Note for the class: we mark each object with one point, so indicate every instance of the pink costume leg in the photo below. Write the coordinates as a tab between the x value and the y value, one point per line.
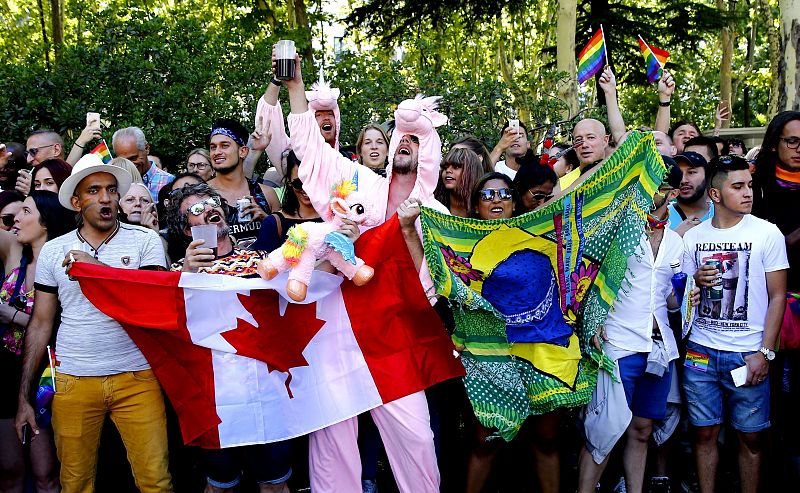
302	271
405	427
345	267
333	460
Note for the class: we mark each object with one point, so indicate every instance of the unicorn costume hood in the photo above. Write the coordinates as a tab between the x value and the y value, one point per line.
321	166
323	97
418	117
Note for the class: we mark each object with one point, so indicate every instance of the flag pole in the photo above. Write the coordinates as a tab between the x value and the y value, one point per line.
651	51
605	45
52	369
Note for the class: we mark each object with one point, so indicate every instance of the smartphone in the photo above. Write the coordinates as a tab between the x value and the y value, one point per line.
93	120
26	434
514	125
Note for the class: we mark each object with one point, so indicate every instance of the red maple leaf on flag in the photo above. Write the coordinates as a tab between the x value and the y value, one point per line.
277	340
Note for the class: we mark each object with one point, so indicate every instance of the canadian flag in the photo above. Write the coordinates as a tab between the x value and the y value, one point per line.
241	365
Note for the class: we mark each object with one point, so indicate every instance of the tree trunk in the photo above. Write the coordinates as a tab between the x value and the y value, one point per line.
301	16
57	23
44	35
565	53
775	57
727	36
788	71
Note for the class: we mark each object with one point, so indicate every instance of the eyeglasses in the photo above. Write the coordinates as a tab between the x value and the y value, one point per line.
791	142
200	207
197	166
539	196
489	194
297	184
35	150
8	220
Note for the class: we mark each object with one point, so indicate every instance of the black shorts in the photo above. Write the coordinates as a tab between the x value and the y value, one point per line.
268	463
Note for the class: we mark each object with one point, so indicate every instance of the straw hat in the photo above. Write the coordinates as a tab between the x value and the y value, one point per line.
88	165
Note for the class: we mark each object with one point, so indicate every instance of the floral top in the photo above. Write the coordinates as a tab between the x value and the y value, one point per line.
12	338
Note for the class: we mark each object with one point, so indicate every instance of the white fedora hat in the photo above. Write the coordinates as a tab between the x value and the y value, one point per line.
88	165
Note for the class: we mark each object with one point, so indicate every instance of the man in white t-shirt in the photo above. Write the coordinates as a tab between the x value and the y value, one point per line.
100	371
638	337
513	144
736	324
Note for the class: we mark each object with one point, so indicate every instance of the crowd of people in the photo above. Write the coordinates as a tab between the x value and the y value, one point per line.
674	413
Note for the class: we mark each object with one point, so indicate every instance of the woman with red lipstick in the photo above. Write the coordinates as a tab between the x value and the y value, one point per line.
41	218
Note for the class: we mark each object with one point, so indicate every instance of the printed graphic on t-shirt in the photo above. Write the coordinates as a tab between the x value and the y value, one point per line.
725	309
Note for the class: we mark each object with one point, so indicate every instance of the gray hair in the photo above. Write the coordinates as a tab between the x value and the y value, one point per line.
50	135
176	220
130	133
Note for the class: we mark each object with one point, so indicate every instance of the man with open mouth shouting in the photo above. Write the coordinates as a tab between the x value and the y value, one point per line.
100	371
415	152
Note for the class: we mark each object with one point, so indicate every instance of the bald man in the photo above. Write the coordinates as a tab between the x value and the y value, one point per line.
591	139
664	144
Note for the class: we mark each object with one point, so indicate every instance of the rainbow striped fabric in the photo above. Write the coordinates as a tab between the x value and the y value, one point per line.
655	58
592	57
102	150
528	293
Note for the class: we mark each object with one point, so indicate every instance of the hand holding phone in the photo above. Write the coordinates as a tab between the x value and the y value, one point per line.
93	121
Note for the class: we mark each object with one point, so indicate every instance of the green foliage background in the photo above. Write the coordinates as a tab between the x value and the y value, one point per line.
171	67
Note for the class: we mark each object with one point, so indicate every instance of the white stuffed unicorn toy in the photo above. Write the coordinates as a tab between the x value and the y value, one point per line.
308	242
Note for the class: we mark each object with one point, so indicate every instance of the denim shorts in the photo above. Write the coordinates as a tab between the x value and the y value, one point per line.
267	463
646	393
711	395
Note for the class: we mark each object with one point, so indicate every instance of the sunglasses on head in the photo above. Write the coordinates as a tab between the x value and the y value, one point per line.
297	184
488	194
8	220
200	207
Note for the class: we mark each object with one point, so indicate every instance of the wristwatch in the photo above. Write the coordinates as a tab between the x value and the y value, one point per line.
277	82
768	353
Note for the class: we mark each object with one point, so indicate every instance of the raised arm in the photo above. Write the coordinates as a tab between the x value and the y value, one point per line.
321	166
666	86
79	147
269	116
608	83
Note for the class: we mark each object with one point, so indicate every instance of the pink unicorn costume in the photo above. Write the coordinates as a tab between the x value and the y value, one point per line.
404	424
321	97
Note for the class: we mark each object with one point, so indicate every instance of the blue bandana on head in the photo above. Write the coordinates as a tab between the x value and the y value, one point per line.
227	133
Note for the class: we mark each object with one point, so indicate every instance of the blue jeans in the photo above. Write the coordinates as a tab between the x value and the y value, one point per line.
711	394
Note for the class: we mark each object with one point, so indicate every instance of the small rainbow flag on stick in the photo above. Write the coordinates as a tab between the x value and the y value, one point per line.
655	58
592	57
102	151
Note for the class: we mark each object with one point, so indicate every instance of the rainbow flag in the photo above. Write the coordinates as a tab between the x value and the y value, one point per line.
102	151
592	57
655	58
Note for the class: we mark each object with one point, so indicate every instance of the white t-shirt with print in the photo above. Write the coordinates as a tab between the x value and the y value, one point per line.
747	252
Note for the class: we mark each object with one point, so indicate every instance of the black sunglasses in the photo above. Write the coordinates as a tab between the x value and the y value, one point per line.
297	184
35	150
8	220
